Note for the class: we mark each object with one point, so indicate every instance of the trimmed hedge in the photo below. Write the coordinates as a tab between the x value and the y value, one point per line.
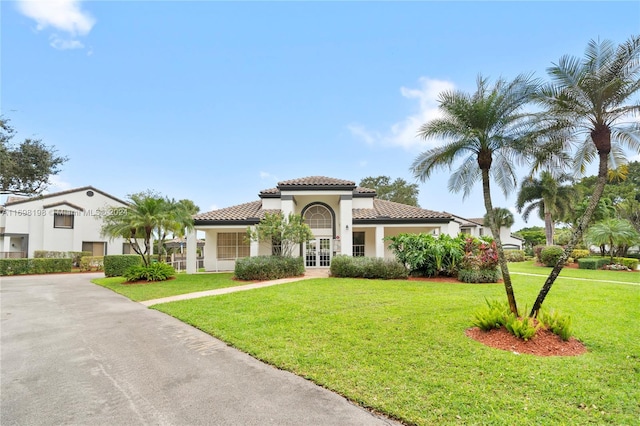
92	263
628	262
343	266
35	266
115	265
593	262
263	268
76	256
578	254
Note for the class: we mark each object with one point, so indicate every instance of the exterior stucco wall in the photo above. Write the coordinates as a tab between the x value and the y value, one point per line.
36	218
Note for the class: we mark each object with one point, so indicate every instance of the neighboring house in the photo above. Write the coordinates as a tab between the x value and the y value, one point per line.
62	221
344	218
475	227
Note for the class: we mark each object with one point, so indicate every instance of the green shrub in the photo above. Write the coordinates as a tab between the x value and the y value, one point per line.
549	255
537	250
92	263
477	276
593	262
494	315
522	328
515	255
116	265
628	262
155	272
578	254
49	266
426	255
263	268
367	267
14	266
34	266
556	323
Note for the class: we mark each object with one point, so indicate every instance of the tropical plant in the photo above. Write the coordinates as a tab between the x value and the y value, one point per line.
593	95
502	216
145	214
548	196
426	255
490	133
616	233
284	233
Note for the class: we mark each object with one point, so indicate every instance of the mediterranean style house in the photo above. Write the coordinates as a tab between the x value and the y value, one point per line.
61	221
344	218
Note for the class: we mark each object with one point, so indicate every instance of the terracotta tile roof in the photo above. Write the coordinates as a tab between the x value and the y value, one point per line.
316	181
386	210
247	212
363	190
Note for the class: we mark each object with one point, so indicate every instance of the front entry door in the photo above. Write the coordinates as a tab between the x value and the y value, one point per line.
318	253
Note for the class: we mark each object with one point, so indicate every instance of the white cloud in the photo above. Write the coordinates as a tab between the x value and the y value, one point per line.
213	207
65	16
61	44
404	132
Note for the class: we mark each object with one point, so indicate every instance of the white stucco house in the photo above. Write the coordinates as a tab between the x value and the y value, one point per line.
61	221
345	219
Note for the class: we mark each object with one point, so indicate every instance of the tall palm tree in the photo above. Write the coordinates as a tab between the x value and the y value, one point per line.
484	129
548	196
594	94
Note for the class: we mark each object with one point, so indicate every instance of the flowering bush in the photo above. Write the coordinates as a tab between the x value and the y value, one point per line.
480	261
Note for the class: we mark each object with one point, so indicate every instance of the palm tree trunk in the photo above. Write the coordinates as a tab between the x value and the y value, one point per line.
582	226
548	226
495	230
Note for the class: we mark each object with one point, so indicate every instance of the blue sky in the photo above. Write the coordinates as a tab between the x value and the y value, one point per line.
215	101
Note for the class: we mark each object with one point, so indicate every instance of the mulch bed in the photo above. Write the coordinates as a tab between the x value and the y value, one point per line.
544	343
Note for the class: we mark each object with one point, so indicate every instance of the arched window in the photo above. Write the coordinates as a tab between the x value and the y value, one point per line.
318	217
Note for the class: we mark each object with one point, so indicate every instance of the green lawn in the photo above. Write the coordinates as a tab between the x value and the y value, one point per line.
182	284
399	347
596	275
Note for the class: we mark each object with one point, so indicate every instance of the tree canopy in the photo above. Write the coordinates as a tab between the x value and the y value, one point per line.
399	191
25	168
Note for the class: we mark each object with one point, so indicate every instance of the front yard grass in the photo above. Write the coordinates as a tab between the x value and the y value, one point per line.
590	274
182	284
398	347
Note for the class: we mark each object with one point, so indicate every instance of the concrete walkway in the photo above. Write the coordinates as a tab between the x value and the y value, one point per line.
309	273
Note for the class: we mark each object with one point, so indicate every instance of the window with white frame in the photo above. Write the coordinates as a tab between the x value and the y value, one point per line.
318	217
232	245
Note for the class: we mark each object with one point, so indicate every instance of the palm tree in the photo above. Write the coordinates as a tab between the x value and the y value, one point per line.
145	214
483	129
502	216
594	94
613	232
546	195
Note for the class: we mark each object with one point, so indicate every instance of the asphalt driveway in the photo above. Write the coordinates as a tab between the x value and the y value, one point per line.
75	353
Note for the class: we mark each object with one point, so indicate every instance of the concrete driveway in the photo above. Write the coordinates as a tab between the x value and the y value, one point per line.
75	353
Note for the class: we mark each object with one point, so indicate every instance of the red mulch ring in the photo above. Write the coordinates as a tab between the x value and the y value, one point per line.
544	343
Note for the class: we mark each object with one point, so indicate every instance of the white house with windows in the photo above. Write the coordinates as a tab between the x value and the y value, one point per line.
476	228
344	218
61	221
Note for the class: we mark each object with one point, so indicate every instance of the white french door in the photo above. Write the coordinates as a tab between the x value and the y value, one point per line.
317	253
